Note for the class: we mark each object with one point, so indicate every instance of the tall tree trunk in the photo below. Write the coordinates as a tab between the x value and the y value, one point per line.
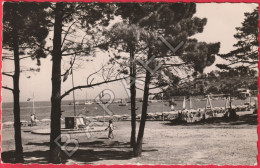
55	139
138	146
133	98
16	92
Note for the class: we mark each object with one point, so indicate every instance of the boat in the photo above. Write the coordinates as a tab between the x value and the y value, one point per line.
87	102
122	102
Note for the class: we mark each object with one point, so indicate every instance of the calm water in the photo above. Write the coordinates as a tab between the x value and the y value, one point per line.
43	109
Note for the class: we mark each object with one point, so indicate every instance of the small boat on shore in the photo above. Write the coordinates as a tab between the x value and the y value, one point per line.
88	103
123	103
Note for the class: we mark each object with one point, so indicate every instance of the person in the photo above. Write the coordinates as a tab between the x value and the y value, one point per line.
33	118
110	130
190	117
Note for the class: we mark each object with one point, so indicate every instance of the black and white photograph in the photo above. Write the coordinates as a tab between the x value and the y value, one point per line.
152	83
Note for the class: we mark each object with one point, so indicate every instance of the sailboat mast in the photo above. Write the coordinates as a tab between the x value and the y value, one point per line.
210	102
33	105
184	103
226	104
86	96
162	103
74	107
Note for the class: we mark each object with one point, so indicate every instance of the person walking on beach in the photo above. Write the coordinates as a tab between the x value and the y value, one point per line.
110	130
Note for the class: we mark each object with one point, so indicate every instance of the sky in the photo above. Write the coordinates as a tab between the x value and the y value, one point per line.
222	18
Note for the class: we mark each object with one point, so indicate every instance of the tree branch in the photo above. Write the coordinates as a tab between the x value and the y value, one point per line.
9	57
71	65
24	57
6	74
6	58
139	88
88	86
67	33
94	74
7	88
177	64
69	54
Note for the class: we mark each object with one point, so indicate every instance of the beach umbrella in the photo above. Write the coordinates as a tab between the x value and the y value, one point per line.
184	103
226	104
208	101
190	103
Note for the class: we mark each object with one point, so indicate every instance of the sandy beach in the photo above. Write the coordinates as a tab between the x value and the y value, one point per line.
164	143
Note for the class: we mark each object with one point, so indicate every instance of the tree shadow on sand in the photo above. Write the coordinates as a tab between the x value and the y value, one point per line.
40	157
89	156
90	144
87	153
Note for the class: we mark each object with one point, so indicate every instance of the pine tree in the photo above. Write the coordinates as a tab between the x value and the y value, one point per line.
88	15
246	51
175	23
23	31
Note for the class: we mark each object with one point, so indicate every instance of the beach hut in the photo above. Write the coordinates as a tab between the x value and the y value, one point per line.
74	122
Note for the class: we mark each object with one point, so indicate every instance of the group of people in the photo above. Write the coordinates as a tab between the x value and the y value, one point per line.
196	115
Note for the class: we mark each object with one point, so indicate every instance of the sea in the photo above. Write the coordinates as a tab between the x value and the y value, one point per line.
43	108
